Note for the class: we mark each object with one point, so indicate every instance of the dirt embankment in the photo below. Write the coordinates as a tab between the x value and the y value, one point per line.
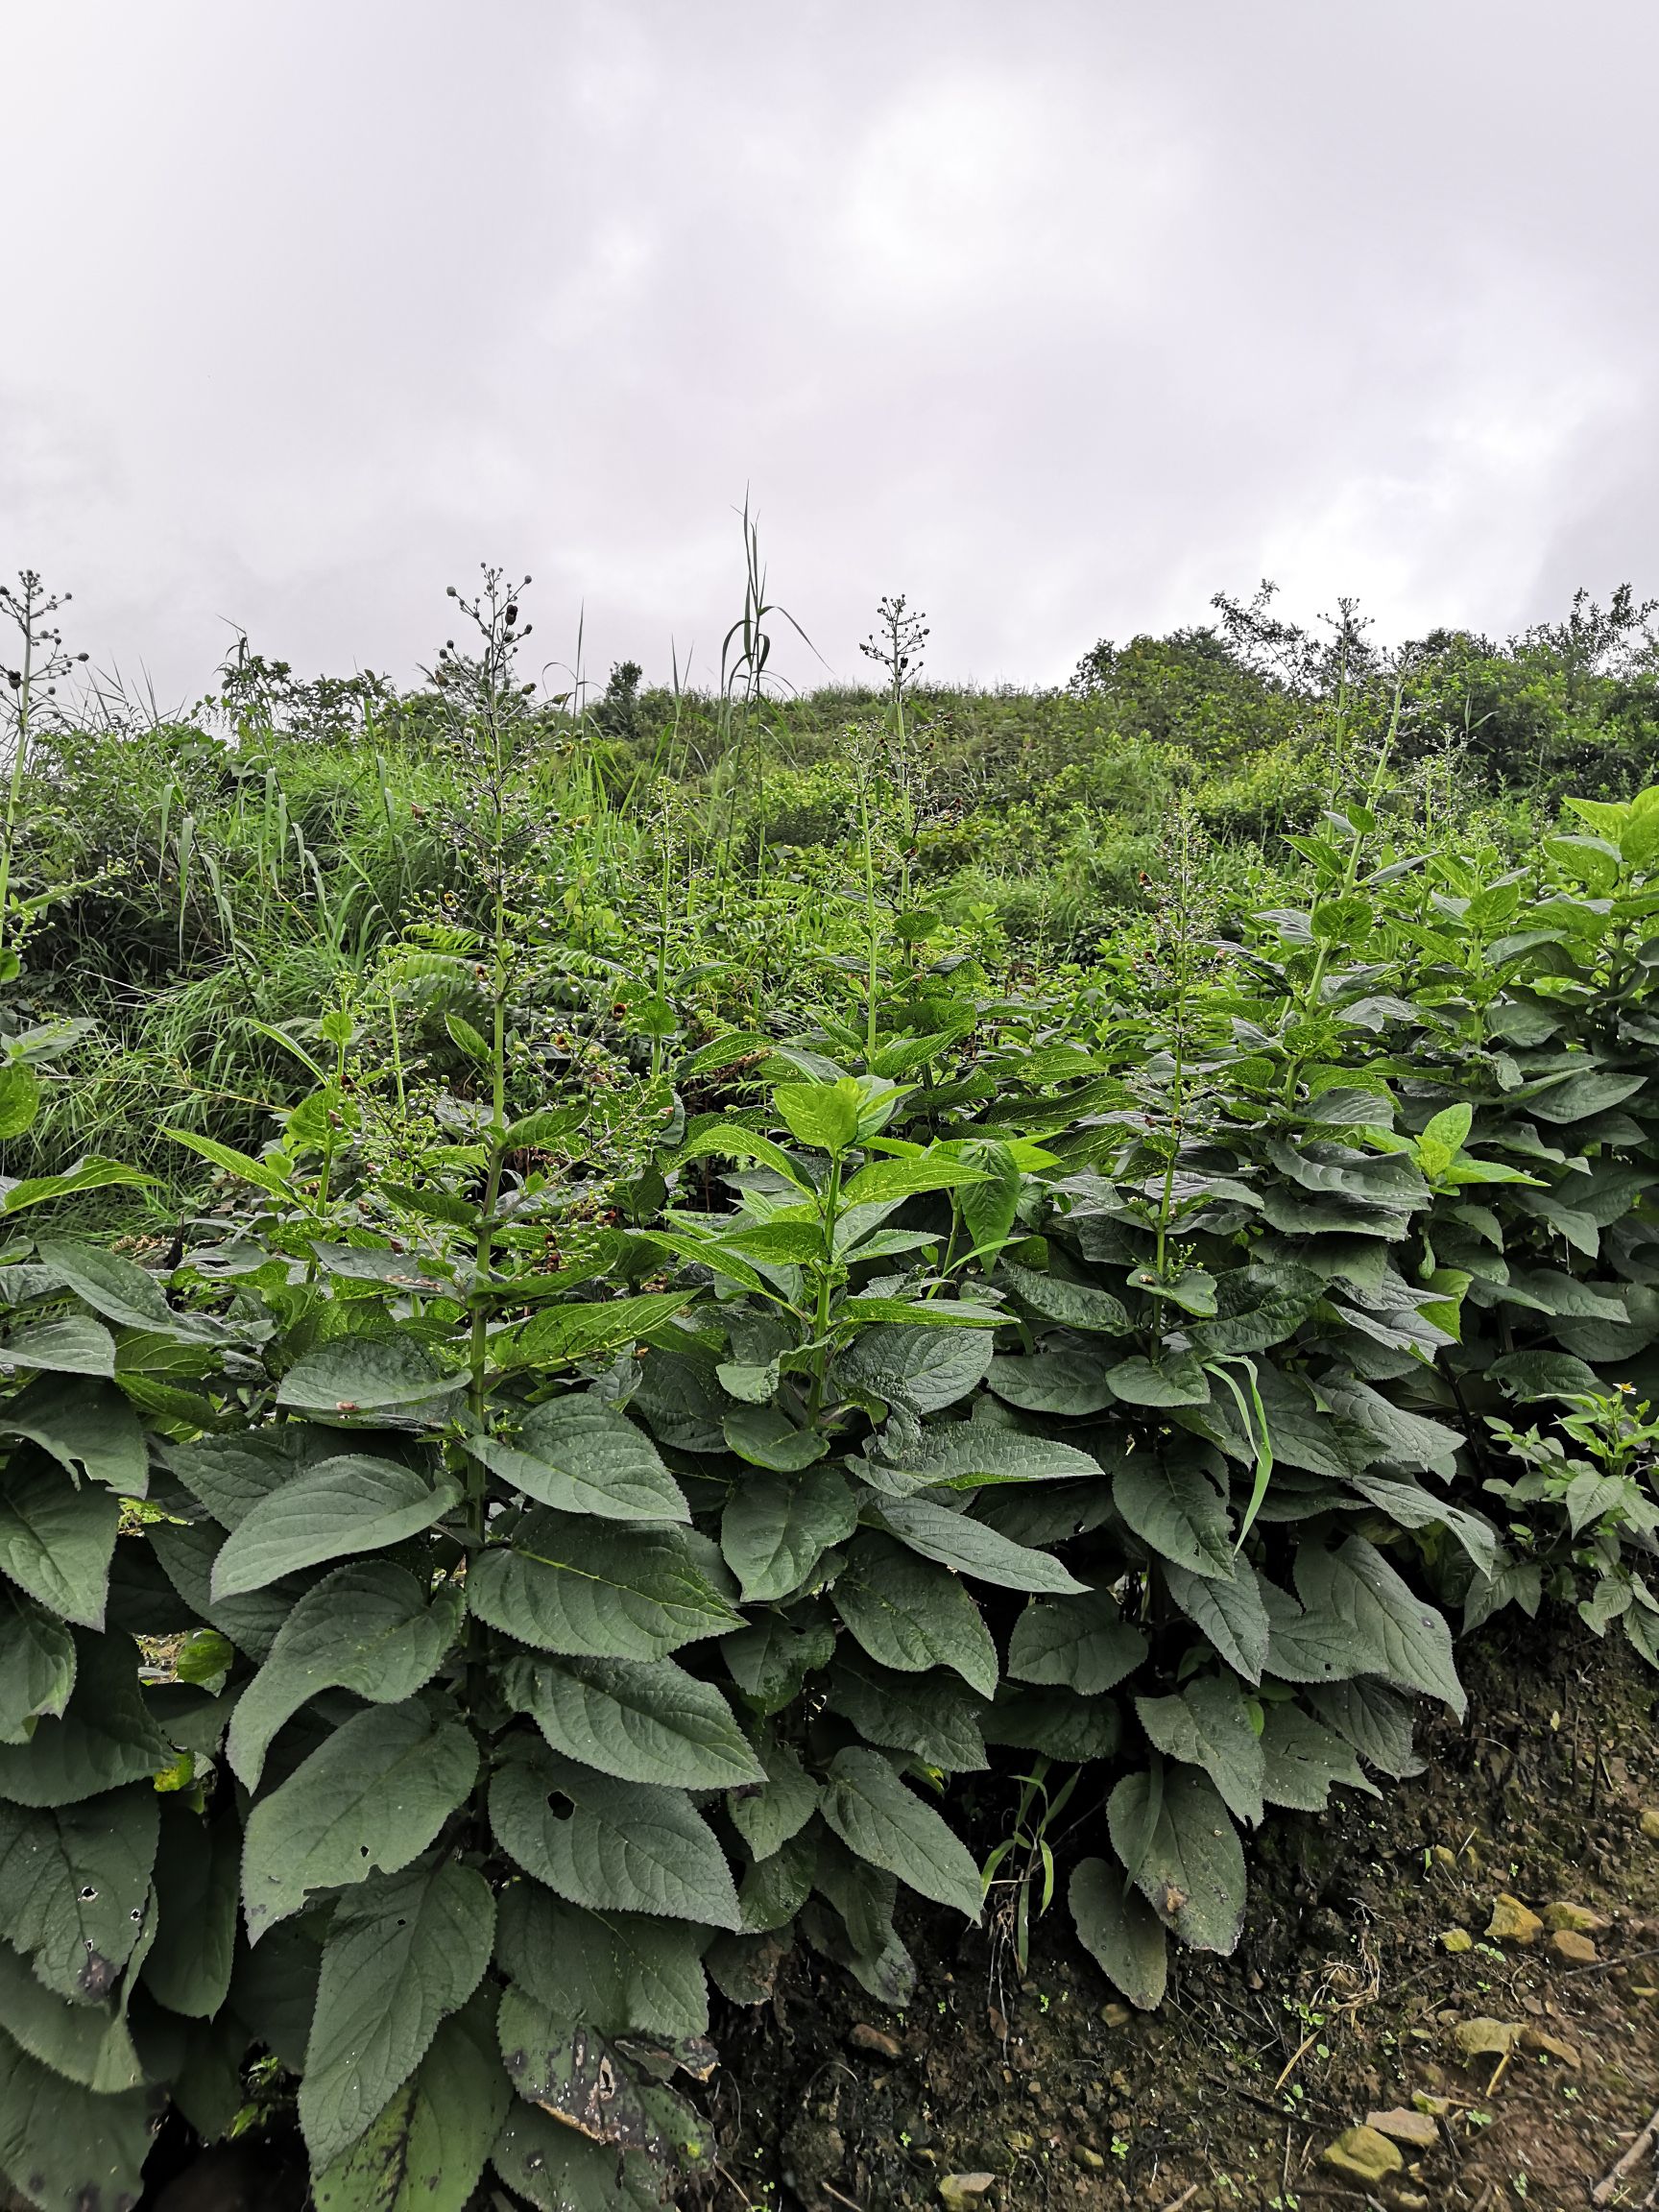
1473	1958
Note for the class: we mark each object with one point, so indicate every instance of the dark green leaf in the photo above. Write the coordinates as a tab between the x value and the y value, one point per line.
1176	1510
1403	1637
355	1375
1303	1760
766	1814
621	1971
1057	1378
599	1592
935	1717
56	1541
105	1739
73	1345
1208	1727
1188	1861
1120	1932
85	2043
923	1370
580	1456
968	1546
1228	1611
64	2146
776	1528
85	1425
1081	1643
37	1666
887	1825
189	1965
911	1614
350	1504
73	1886
640	1720
426	2150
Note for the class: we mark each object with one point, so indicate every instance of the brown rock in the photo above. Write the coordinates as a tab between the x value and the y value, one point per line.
1399	2125
1513	1922
1577	1950
1650	1822
1580	1919
1485	2039
863	2037
1362	2154
1551	2047
1455	1940
965	2189
1117	2015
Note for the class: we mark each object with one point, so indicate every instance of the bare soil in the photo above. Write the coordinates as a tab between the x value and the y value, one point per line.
1341	2000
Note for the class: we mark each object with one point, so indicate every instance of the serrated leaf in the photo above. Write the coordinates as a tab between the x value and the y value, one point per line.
1375	1720
935	1717
386	1376
1055	1722
776	1528
768	1813
84	1424
74	1344
105	1739
369	1627
397	1962
426	2150
598	1591
189	1965
1120	1932
349	1505
1080	1643
368	1800
1208	1727
1303	1760
626	1846
65	2145
1180	1380
1176	1510
923	1370
888	1826
1228	1610
557	2169
621	1971
770	1661
580	1456
37	1666
19	1098
640	1720
911	1614
573	2072
85	2043
972	1455
559	1335
1062	1379
1400	1636
766	1437
73	1886
969	1547
1080	1305
57	1541
1186	1860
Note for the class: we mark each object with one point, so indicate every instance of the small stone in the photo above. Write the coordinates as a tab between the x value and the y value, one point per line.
1455	1940
1437	2108
1513	1922
1021	2144
1442	1854
863	2037
958	2189
1117	2015
1580	1919
1550	2047
1399	2125
1650	1822
1410	2200
1485	2039
1362	2154
1090	2161
1577	1950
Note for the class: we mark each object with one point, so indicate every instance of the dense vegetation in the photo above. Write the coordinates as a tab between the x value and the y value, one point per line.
632	1320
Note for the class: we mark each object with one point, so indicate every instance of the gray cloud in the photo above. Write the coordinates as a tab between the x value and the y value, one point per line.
1057	317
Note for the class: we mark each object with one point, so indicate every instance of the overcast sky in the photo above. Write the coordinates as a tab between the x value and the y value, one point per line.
1058	316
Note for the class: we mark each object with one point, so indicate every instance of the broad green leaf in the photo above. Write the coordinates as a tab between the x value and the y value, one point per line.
426	2150
968	1546
923	1370
728	1140
823	1116
888	1826
1057	1722
621	1971
187	1552
1177	1512
56	1541
935	1715
231	1473
230	1162
777	1527
19	1098
37	1666
1403	1637
1375	1720
105	1737
625	1846
1066	1378
767	1814
386	1378
350	1504
63	2147
885	1180
773	1890
1186	1860
911	1614
1579	1097
600	1591
91	1175
121	1291
1079	1643
397	1961
1079	1305
557	2169
1120	1932
368	1799
924	1312
970	1454
559	1335
85	2043
580	1456
369	1627
1531	1375
770	1661
766	1436
189	1965
1228	1610
638	1719
84	1424
1177	1382
74	1344
73	1886
1303	1760
1208	1727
